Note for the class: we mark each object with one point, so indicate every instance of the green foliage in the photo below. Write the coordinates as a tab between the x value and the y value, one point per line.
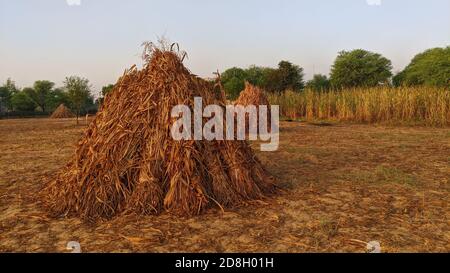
22	102
89	104
431	68
286	76
360	68
79	92
5	98
40	93
291	76
233	87
7	91
107	89
11	86
233	72
75	95
398	79
318	83
257	75
233	81
56	97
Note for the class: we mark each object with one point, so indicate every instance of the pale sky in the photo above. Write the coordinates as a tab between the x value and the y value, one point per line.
98	39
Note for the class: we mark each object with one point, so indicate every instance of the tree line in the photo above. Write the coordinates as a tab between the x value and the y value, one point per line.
44	97
356	68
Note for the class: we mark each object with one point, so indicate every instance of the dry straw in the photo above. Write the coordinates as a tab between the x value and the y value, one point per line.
253	95
127	160
62	112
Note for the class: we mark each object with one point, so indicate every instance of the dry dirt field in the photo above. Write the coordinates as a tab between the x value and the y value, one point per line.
341	183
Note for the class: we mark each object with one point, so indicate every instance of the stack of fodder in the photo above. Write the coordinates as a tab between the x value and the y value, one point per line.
62	112
127	160
253	95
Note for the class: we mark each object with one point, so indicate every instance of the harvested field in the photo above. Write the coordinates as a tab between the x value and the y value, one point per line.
341	183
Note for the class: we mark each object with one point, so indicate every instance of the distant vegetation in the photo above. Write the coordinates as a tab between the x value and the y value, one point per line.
319	83
351	69
360	87
274	80
43	98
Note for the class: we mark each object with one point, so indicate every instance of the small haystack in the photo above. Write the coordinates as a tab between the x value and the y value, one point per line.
253	95
127	160
62	112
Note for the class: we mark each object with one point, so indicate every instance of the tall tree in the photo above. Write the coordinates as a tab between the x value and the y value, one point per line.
291	76
286	76
360	68
431	67
40	92
7	91
79	91
5	99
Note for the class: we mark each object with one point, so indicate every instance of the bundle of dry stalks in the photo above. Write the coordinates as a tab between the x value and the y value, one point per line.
127	160
62	112
253	95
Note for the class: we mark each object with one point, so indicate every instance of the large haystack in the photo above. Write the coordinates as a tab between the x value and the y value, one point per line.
62	112
253	95
128	161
